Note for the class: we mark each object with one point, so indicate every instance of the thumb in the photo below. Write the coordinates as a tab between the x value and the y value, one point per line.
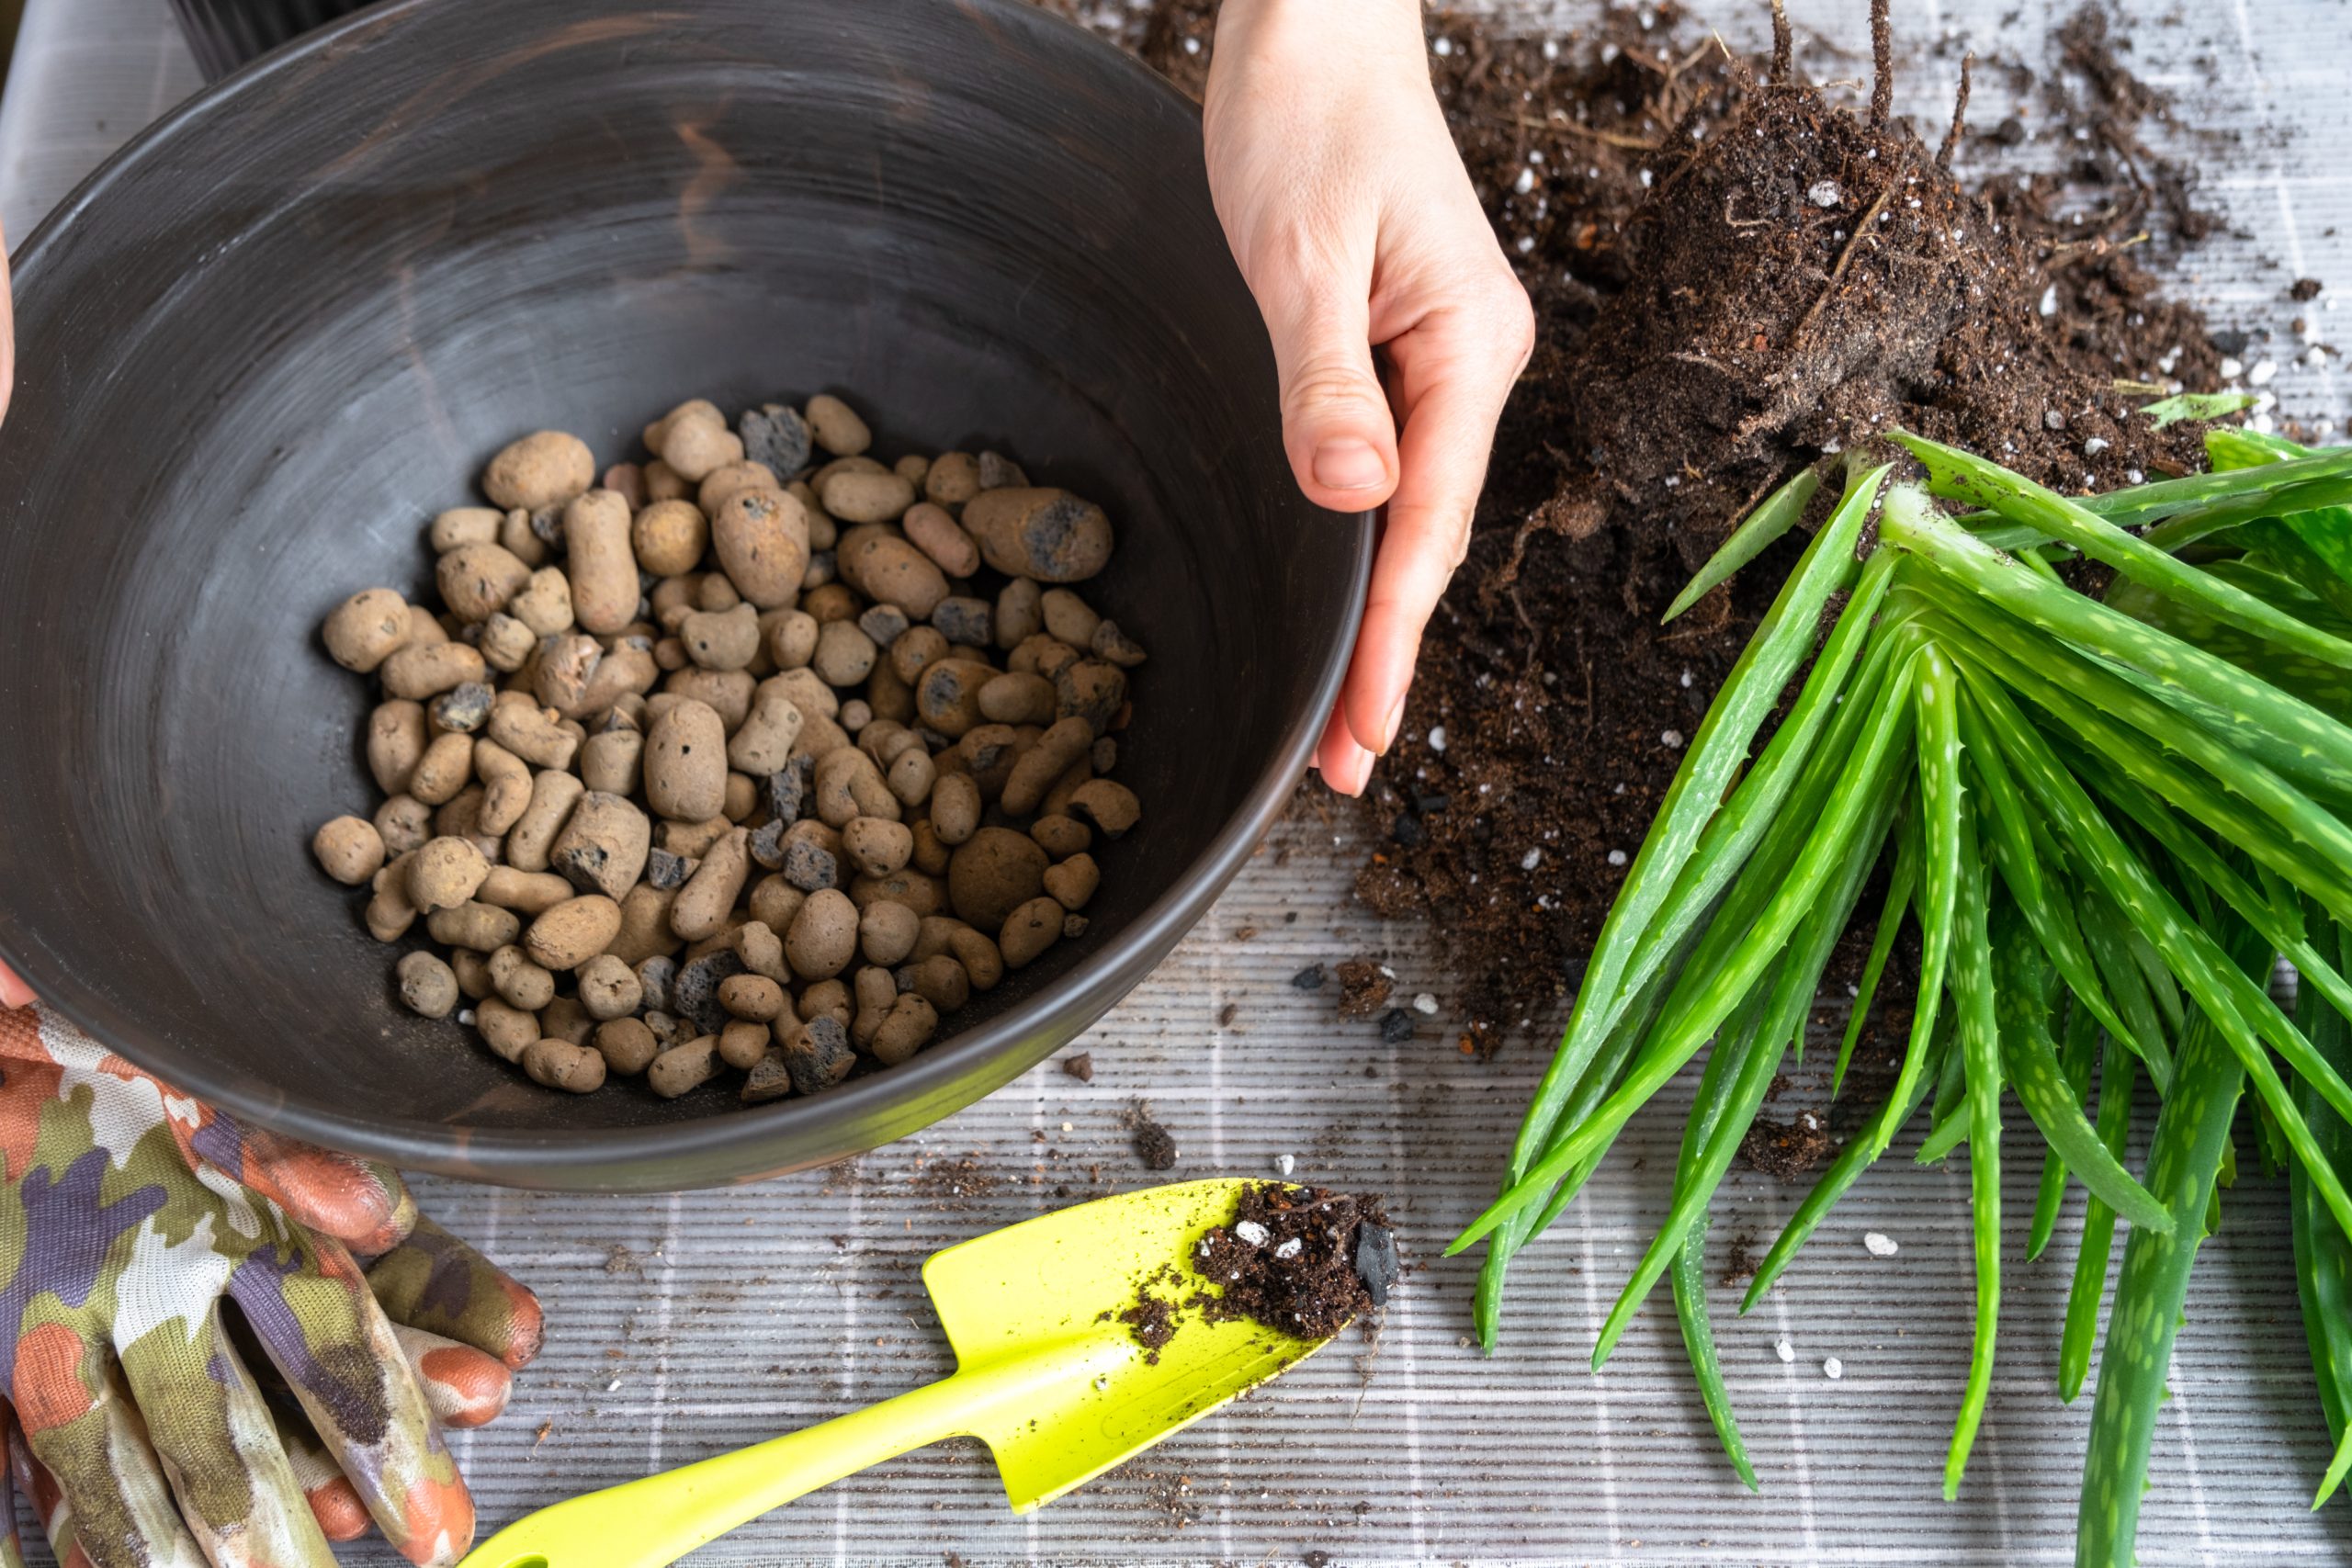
1336	426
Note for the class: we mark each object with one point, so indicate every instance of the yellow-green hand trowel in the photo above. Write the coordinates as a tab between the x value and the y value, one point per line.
1046	1375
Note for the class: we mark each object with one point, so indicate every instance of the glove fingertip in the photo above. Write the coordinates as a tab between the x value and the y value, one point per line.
439	1515
465	1387
526	1325
335	1505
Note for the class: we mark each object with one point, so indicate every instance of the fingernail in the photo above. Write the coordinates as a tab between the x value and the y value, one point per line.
1349	463
1396	721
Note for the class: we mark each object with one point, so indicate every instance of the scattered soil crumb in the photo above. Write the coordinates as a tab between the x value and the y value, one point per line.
1363	987
1172	1495
1152	1319
1787	1150
957	1185
1155	1144
1739	1260
619	1260
1081	1067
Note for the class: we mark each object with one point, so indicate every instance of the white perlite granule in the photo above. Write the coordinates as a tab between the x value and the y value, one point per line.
1833	1369
1880	1243
1786	1351
1253	1233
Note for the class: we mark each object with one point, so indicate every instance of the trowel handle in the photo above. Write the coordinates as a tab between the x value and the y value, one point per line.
649	1523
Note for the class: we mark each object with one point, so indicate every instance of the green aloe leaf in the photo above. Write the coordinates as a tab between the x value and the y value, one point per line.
2020	500
2323	1254
2325	531
2318	686
1600	1076
2176	512
1900	882
1939	814
2281	924
2184	1162
2048	908
1688	1023
1857	1156
1715	1137
1777	514
1772	655
2261	720
2119	1073
2237	1006
2030	1061
1976	1012
2076	1058
2197	405
1698	1345
2278	824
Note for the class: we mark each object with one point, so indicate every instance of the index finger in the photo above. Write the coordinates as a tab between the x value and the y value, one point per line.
1453	375
14	992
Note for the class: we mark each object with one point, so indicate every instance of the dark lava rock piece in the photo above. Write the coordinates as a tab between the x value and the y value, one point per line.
694	995
664	870
1377	1262
788	787
964	620
770	1079
811	866
775	434
462	709
818	1055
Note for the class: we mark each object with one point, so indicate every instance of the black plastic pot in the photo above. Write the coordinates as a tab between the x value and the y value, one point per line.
225	34
265	344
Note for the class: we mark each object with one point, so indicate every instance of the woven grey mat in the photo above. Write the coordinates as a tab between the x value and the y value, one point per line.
687	1325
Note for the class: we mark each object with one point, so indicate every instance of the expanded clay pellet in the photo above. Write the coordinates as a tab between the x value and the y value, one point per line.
752	761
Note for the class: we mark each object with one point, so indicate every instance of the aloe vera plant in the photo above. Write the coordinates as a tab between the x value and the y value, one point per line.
2105	817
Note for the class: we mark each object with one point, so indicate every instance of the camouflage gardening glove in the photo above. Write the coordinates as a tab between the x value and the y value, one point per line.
127	1213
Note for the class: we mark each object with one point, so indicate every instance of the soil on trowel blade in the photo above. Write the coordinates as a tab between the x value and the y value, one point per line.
1298	1259
1733	278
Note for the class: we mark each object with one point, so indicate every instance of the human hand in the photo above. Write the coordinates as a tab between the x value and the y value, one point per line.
127	1212
1354	225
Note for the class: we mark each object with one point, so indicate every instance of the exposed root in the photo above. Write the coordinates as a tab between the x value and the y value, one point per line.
1783	46
1959	114
1881	63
